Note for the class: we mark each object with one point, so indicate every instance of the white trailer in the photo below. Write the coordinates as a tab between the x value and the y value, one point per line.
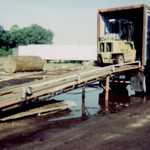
59	52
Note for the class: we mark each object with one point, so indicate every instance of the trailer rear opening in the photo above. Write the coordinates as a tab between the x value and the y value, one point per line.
140	16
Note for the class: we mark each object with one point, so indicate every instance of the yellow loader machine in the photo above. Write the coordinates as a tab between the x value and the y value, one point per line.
116	46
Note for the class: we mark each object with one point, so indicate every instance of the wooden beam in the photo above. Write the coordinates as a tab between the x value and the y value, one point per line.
107	94
83	102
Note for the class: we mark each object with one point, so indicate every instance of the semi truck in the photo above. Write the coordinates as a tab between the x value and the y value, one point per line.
137	39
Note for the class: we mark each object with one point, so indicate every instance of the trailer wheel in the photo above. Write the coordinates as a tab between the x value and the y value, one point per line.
119	59
99	60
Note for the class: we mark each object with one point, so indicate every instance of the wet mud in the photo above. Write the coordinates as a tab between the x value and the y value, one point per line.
90	103
21	78
63	130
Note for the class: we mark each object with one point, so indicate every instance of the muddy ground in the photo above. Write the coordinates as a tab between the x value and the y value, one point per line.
128	128
124	129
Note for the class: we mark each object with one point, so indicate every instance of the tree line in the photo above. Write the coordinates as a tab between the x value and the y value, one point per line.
15	37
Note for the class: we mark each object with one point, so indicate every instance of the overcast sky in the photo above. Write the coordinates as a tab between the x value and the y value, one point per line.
72	21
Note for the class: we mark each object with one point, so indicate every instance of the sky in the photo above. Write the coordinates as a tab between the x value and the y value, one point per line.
73	22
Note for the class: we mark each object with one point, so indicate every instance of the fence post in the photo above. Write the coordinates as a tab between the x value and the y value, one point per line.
83	102
107	94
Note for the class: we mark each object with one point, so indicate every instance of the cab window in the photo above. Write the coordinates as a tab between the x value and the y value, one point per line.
101	47
108	47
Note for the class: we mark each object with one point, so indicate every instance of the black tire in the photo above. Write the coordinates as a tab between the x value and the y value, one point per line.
99	61
119	59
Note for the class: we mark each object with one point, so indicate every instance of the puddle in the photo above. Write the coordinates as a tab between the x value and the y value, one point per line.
91	103
87	105
94	101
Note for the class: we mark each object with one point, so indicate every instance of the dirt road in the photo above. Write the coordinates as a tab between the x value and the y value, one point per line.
127	129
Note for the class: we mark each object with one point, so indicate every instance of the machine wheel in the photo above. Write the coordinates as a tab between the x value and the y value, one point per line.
99	61
119	59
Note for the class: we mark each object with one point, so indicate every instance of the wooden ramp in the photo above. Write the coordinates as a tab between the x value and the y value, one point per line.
50	87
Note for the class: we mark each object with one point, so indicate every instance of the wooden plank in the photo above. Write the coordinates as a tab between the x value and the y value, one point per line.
43	82
107	94
11	102
20	75
49	108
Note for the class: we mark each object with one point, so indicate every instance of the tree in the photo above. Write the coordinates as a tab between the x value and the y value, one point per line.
1	28
14	28
4	42
3	36
33	34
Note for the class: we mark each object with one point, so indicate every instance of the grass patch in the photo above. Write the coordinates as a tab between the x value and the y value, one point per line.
50	65
55	65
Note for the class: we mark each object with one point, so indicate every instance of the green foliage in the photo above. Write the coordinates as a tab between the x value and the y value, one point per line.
14	28
33	34
4	53
37	35
1	29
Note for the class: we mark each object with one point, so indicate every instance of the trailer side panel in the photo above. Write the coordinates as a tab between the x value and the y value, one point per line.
147	38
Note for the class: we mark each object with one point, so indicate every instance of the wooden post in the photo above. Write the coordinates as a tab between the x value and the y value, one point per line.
144	99
83	102
107	94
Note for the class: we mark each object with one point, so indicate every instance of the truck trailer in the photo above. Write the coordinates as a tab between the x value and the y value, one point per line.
139	15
